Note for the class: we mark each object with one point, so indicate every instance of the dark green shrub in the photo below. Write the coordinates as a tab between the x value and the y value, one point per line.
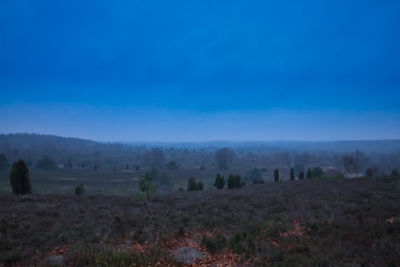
192	184
214	244
276	175
19	178
301	175
309	174
80	190
292	176
395	173
234	181
146	184
317	172
219	181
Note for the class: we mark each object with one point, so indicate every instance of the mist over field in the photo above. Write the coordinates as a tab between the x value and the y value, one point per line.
199	133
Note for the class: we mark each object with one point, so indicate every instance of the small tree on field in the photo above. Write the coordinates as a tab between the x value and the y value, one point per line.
146	184
219	181
46	163
192	184
80	190
19	178
234	181
309	173
317	172
276	175
301	175
292	177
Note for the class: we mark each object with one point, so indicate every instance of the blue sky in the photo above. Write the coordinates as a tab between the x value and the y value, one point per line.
201	70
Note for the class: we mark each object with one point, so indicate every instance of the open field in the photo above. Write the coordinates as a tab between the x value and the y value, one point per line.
334	222
64	181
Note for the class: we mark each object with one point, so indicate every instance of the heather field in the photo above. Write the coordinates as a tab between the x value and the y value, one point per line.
319	222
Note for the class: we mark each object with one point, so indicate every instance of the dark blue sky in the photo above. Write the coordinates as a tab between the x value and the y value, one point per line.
201	70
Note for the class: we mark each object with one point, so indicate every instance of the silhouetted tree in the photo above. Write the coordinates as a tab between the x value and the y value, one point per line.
19	178
317	172
80	190
172	165
309	173
234	181
301	175
276	175
292	177
146	184
192	184
395	173
219	181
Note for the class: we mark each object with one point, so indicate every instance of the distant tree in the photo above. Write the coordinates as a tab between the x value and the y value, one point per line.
219	181
276	175
317	172
137	168
352	163
395	173
146	184
46	163
19	178
234	181
223	157
370	173
255	176
4	164
309	173
192	184
127	167
172	165
80	190
292	176
301	175
95	167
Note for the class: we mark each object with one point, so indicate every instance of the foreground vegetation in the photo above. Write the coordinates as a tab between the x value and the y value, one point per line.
324	222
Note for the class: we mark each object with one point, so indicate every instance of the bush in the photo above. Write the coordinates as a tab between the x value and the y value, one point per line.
46	163
214	244
317	172
309	174
19	178
219	181
234	181
292	176
276	175
395	173
301	175
192	184
80	190
146	184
